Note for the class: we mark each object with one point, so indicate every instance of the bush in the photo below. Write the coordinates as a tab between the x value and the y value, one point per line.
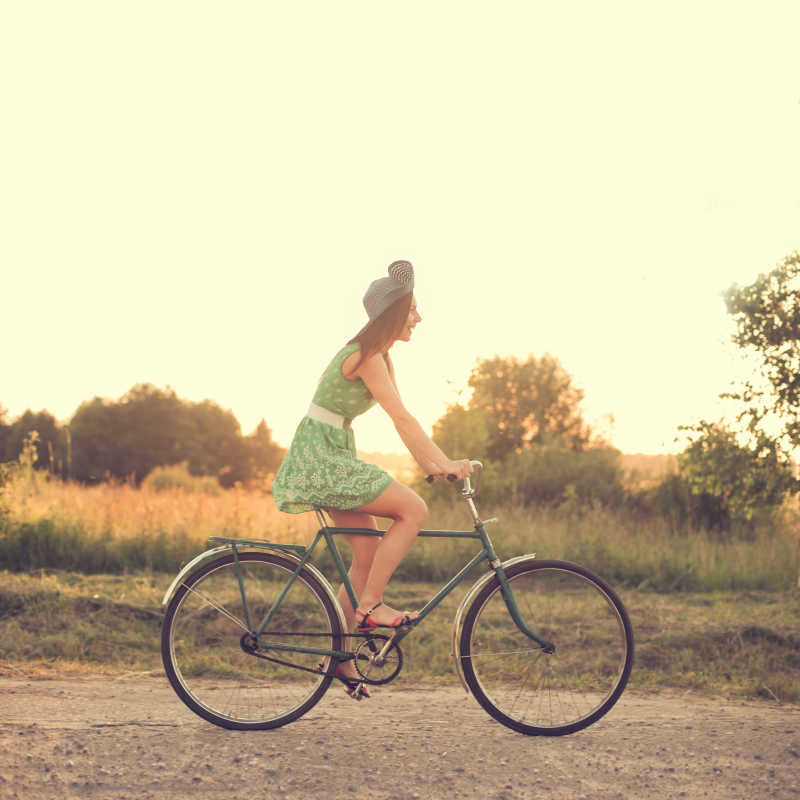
739	483
552	475
178	476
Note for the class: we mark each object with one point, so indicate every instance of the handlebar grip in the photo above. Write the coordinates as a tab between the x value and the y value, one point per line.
450	477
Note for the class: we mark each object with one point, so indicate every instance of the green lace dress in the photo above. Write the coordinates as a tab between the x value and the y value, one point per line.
320	469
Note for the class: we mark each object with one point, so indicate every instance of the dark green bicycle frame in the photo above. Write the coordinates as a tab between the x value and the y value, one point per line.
327	533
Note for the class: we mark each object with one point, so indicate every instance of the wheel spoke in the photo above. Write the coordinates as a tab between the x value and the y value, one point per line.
219	608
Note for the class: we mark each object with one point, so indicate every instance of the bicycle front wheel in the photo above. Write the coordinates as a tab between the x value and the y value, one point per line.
207	642
519	682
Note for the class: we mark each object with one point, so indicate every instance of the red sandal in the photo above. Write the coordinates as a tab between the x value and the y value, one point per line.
366	624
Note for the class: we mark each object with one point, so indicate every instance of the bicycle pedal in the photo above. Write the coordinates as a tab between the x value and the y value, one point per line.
356	693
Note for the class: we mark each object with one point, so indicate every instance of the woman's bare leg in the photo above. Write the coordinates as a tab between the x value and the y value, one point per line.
408	511
363	548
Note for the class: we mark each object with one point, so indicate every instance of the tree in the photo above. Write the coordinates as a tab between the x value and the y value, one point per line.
50	443
741	481
524	421
4	431
264	455
97	434
515	405
462	432
126	439
151	427
152	431
767	315
212	443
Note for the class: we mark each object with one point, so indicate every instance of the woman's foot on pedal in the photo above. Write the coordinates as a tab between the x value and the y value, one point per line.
382	616
346	673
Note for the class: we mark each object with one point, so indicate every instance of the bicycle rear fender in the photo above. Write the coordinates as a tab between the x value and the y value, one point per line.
465	604
210	555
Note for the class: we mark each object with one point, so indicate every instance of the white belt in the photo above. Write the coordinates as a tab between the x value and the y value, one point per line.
323	415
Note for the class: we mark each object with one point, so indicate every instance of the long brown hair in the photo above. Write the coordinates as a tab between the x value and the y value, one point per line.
379	333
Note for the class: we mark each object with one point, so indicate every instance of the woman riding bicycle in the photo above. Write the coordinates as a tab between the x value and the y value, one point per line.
321	469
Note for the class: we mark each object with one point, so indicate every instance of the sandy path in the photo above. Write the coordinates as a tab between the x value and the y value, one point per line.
132	738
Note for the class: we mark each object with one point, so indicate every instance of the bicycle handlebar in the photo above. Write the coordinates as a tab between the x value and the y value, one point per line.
477	468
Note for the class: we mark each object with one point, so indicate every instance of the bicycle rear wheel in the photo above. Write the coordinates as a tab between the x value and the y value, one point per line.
212	664
523	686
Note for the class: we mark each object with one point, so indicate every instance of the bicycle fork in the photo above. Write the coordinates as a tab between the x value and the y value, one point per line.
505	586
513	610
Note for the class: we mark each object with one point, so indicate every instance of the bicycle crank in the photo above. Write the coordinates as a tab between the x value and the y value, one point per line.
378	659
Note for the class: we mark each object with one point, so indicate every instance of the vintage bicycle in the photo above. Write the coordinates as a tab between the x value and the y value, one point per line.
253	632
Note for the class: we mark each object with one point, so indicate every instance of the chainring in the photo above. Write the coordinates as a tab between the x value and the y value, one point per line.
370	667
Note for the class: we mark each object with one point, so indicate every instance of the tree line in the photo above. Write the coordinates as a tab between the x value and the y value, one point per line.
148	427
525	416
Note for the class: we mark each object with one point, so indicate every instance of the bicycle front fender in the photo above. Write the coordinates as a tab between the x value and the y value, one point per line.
458	623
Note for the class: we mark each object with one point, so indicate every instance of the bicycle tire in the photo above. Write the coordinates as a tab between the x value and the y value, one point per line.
203	645
515	680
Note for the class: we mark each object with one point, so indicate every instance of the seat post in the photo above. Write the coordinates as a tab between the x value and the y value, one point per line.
321	518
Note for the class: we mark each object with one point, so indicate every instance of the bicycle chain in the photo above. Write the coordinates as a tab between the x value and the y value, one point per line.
283	663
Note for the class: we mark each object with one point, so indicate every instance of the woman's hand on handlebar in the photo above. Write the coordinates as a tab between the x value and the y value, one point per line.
460	468
455	470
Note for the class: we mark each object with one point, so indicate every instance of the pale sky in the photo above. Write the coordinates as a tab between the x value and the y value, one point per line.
197	195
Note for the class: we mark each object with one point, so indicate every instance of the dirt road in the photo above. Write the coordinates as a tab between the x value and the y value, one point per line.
130	737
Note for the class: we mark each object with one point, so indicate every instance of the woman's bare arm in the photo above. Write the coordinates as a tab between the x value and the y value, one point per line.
425	451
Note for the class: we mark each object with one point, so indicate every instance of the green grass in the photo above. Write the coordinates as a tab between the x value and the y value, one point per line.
743	644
